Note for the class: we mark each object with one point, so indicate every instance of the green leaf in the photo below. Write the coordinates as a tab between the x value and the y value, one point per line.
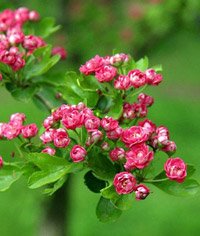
106	211
4	68
109	192
124	201
9	173
22	94
188	188
51	169
102	167
157	68
93	183
50	191
41	67
142	64
117	107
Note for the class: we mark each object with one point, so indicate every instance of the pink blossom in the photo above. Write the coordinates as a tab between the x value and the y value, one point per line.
94	137
59	51
22	14
122	82
115	133
73	119
34	16
29	131
148	126
124	183
48	122
162	135
169	147
145	99
138	157
60	138
18	117
49	151
78	153
1	162
134	135
137	78
92	65
153	78
92	123
128	111
15	37
140	110
106	73
47	136
176	169
2	126
31	42
11	131
119	58
105	146
141	192
117	154
108	123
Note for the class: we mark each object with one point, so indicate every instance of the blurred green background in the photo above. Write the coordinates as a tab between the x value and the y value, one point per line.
168	32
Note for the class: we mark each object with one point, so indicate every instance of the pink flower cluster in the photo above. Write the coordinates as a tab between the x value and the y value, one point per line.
15	127
12	35
105	69
15	46
138	109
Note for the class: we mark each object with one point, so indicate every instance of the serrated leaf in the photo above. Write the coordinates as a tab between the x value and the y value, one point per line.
189	187
142	64
106	211
9	174
102	167
94	184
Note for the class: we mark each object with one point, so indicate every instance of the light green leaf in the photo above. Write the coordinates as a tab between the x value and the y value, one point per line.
9	173
124	201
142	64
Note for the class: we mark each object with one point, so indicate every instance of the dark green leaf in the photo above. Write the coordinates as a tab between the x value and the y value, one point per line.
4	68
9	173
116	108
188	188
101	166
93	183
106	211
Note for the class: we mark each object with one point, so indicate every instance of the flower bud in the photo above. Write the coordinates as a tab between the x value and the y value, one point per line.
49	151
78	153
141	192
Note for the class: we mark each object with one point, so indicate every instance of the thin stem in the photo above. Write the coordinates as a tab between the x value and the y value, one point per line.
139	91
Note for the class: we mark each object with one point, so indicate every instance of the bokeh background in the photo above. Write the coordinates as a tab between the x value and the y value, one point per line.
168	32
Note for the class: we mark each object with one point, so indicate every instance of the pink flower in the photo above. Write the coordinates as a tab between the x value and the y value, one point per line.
33	16
115	133
138	157
105	146
117	154
48	122
108	123
141	192
59	51
145	99
122	82
92	65
153	78
47	136
162	135
11	131
92	123
29	131
176	169
94	137
15	37
134	135
137	78
106	73
73	119
78	153
1	162
124	183
2	127
169	147
60	138
148	126
119	58
22	14
140	110
49	151
128	111
31	42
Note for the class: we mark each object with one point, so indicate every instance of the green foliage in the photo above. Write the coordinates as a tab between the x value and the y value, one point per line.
106	211
93	183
